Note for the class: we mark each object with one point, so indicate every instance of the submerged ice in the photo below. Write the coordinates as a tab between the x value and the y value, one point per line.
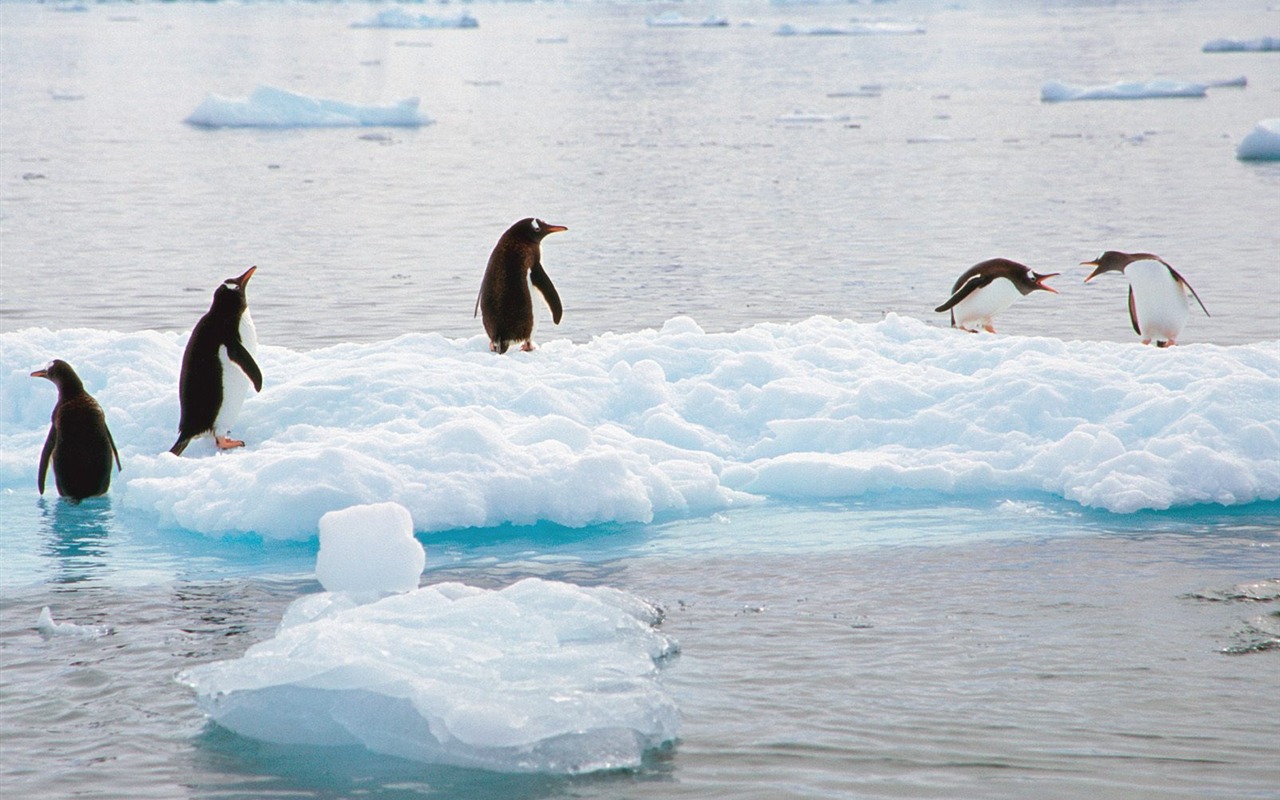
538	677
670	423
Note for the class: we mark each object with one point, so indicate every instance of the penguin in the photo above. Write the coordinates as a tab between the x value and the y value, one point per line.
989	287
505	301
1158	305
217	367
79	444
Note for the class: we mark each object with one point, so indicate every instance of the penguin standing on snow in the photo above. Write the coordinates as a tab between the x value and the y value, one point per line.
217	367
1158	305
987	288
505	302
79	444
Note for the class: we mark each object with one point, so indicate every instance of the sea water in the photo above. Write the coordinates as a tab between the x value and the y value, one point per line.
898	561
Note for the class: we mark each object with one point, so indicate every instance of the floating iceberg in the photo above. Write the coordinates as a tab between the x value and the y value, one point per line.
1057	92
1262	143
399	18
369	548
851	29
269	107
537	677
1264	45
674	19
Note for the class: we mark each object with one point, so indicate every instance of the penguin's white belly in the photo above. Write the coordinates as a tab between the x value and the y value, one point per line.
1159	301
235	384
983	304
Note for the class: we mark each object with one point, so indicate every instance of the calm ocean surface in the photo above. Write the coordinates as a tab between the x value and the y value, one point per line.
904	646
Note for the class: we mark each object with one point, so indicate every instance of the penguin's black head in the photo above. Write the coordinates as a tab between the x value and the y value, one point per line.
1110	261
1036	280
62	375
535	230
230	296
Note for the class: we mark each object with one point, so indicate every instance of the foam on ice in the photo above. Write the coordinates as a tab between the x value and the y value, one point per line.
538	677
663	424
1262	143
399	18
269	107
1058	92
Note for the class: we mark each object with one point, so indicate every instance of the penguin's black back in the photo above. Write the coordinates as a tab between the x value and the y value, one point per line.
79	446
506	304
200	384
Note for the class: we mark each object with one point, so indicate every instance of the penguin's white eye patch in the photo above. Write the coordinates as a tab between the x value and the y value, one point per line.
536	226
230	285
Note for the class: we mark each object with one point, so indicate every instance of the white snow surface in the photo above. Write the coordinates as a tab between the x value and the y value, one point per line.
538	677
269	107
663	424
1058	92
369	548
399	18
1262	143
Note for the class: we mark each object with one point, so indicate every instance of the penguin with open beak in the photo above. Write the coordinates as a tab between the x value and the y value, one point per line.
989	287
1158	305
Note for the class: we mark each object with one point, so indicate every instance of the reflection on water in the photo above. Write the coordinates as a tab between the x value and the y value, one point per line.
75	536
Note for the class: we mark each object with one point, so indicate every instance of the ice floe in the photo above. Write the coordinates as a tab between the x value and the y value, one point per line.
674	19
1264	44
540	676
399	18
269	107
49	628
1057	91
1262	143
851	29
664	424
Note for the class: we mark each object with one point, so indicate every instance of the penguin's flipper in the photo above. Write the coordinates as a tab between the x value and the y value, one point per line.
542	280
1187	286
45	454
1133	313
111	441
476	313
964	290
242	358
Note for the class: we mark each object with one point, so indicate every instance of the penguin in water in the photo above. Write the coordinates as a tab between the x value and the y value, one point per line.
505	302
217	368
79	443
1158	305
989	287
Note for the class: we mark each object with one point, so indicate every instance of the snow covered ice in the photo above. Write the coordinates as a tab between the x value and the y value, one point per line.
538	677
369	548
269	107
670	423
1058	92
1262	143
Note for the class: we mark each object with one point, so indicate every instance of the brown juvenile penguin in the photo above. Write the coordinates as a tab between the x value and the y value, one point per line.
505	303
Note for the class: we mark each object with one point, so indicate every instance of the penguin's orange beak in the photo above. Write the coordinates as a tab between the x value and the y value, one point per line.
40	373
1096	272
555	228
1040	281
243	279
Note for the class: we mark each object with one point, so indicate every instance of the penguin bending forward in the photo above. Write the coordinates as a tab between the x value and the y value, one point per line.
505	302
79	444
989	287
217	367
1158	305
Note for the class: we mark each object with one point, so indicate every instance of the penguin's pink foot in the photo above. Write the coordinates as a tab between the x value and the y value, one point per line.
989	328
529	346
1146	341
493	347
227	443
1166	343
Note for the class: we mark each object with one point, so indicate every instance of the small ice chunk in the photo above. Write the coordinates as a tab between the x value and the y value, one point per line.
369	548
1265	44
674	19
49	628
1262	143
878	28
269	107
1057	91
401	19
540	676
